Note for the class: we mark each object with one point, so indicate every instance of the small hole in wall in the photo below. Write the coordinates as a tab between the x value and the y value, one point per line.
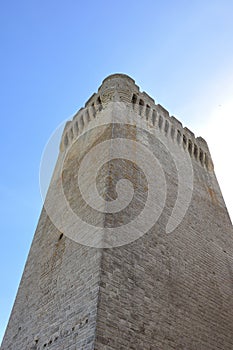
60	237
73	329
36	341
50	342
45	345
19	328
86	320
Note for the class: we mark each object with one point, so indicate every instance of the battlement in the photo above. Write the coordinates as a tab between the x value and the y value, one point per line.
122	88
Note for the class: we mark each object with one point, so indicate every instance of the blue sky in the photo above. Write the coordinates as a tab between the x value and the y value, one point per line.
55	54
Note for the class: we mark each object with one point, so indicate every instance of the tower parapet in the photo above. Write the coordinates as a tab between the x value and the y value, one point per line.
122	88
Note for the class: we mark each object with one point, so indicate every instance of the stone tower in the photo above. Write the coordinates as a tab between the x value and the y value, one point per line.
134	245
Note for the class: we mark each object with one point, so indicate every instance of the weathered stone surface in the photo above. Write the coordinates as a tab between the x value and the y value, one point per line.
161	291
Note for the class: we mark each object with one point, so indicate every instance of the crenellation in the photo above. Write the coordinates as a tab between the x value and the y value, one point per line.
188	131
148	98
90	100
176	122
163	111
202	142
116	88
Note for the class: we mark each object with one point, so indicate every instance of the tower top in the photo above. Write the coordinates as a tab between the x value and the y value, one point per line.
122	88
119	76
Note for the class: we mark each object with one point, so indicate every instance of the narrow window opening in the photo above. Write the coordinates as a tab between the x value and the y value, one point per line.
93	110
160	122
134	99
99	104
76	127
206	161
201	157
60	237
172	132
195	152
66	141
88	115
81	122
141	104
178	135
184	141
153	117
190	147
147	111
166	126
71	134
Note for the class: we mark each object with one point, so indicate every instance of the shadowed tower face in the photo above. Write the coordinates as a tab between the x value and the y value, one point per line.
133	248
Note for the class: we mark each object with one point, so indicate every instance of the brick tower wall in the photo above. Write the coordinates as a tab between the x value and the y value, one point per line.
159	289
